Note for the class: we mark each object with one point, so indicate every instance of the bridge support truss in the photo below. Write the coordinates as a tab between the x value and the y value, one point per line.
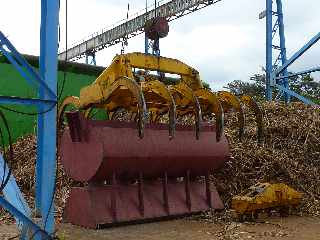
277	76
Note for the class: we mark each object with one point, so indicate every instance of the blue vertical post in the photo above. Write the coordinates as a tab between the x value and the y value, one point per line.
93	58
268	49
146	40
156	48
283	48
146	44
40	127
87	59
46	152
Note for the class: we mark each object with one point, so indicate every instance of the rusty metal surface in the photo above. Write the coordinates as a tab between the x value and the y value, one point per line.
109	147
131	178
95	207
156	28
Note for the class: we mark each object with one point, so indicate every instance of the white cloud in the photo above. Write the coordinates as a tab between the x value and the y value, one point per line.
20	21
224	42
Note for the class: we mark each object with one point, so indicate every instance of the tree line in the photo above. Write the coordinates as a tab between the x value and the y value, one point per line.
304	85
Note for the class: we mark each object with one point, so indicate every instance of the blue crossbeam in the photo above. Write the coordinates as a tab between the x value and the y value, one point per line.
20	63
27	101
311	70
294	94
11	191
35	230
298	54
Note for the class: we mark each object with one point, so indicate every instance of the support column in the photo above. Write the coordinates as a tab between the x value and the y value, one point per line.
146	40
268	49
283	49
146	44
46	151
93	58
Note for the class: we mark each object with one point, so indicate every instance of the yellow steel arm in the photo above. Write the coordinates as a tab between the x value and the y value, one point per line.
122	65
128	84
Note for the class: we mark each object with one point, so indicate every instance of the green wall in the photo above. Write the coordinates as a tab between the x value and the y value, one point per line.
12	84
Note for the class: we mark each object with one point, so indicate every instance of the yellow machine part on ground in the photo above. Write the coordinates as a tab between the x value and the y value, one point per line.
263	196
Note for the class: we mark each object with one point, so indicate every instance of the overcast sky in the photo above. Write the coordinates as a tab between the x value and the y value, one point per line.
225	41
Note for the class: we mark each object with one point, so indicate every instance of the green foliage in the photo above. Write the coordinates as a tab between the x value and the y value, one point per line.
304	85
206	85
255	87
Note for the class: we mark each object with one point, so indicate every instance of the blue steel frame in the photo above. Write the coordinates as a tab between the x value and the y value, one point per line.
93	58
277	76
46	83
146	44
151	44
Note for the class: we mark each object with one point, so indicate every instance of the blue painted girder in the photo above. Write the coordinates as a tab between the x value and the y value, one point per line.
24	68
46	141
299	53
34	230
12	193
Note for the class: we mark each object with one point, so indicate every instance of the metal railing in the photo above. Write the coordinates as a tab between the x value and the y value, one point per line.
134	25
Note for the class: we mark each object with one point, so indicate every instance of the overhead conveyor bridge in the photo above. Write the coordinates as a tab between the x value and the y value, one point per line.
171	10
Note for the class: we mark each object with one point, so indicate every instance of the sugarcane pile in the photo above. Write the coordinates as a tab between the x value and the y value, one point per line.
290	153
23	168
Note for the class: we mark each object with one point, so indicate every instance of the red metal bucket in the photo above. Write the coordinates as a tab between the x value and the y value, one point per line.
133	179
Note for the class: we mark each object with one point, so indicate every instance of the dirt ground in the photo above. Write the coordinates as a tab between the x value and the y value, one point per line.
275	228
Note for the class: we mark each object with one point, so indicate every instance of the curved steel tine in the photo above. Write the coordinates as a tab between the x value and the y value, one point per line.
227	99
254	106
133	115
216	108
135	89
70	100
198	117
172	121
141	119
166	94
219	123
111	114
142	113
187	92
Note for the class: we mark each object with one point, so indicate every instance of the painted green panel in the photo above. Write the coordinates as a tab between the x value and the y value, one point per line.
12	84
